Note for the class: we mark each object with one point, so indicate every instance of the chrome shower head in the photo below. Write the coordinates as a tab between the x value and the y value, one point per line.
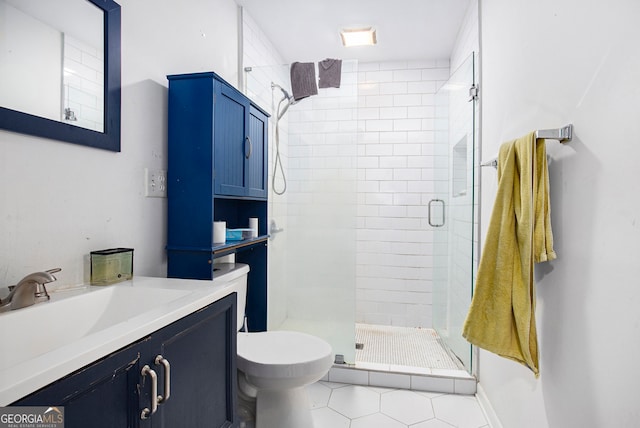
284	92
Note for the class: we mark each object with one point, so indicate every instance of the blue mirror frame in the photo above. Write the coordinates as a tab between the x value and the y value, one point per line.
25	123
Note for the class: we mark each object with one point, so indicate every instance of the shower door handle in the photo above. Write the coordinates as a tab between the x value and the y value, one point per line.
440	202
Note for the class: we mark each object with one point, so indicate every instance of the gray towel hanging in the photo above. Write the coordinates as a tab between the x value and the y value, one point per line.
330	71
303	80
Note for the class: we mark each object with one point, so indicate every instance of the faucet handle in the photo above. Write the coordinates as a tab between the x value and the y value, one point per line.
41	290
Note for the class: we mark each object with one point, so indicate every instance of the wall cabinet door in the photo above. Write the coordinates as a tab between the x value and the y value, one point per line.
240	140
231	145
256	159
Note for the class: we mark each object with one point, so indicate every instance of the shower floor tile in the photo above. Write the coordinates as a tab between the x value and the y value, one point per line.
403	349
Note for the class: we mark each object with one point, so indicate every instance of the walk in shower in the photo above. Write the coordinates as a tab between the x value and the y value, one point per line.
372	243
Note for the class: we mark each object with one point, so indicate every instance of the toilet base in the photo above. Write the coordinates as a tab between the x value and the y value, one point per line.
288	408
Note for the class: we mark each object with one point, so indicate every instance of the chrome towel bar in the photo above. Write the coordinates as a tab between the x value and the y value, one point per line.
563	135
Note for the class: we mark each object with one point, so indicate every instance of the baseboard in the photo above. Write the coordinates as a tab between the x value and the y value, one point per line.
485	404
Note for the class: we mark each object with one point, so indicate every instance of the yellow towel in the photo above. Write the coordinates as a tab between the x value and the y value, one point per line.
501	318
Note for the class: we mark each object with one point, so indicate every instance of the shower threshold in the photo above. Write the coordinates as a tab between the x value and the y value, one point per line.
404	357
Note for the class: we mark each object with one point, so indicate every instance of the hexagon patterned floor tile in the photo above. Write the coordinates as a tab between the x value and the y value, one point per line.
355	401
329	418
337	405
377	420
406	406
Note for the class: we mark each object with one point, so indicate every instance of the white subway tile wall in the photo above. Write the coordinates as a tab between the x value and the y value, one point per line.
396	179
322	206
82	83
399	168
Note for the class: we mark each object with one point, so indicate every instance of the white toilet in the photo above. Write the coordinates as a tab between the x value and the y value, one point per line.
275	366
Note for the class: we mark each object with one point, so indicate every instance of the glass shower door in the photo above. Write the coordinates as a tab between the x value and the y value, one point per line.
321	217
452	210
312	250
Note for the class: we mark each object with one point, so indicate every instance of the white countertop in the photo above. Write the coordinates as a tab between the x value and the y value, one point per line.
27	365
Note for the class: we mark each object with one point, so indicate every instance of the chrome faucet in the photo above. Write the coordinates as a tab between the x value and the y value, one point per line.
28	289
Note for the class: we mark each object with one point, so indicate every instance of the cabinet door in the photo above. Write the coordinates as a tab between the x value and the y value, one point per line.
230	145
201	349
101	395
256	163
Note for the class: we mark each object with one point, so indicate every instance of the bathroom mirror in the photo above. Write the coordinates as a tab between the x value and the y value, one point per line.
60	70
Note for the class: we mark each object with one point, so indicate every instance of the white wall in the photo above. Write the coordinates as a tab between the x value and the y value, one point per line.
59	201
545	64
30	64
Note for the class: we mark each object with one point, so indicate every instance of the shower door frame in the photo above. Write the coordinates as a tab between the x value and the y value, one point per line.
460	195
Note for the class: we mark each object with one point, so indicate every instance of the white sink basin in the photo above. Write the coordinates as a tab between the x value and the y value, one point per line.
49	340
49	325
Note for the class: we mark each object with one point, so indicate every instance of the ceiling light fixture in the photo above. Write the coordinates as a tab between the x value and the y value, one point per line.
358	37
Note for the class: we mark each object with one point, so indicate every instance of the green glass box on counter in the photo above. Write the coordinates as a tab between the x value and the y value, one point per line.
111	266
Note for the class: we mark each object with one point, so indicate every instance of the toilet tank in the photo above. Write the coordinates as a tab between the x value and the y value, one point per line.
233	275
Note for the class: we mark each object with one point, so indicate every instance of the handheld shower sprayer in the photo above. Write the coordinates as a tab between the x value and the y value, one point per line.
284	92
288	100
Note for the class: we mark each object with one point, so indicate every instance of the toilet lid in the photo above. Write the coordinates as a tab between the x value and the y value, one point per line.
282	353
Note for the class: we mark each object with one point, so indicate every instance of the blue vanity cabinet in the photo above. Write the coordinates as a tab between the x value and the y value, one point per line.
112	393
101	395
202	354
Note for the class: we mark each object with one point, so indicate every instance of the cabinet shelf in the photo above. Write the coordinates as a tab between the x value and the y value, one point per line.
226	248
233	246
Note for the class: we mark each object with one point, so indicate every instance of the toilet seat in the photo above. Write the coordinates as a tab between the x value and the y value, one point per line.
282	354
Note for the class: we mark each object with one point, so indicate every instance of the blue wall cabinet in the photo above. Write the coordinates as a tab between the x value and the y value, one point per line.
217	171
239	145
112	392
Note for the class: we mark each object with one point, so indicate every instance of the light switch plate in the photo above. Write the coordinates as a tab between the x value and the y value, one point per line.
155	183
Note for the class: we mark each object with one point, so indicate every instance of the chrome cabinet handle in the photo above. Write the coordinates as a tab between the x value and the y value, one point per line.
431	202
161	361
146	412
248	155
